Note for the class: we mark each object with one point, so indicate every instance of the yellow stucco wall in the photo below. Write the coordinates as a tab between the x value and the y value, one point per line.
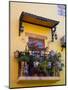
18	43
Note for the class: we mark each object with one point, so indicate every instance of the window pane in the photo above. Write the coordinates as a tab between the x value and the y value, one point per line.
36	43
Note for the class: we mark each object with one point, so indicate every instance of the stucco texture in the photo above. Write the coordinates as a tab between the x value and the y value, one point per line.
18	42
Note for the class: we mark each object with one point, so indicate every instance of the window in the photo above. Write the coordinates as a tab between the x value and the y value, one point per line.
36	43
61	10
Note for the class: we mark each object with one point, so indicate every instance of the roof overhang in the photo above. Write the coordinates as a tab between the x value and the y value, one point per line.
37	20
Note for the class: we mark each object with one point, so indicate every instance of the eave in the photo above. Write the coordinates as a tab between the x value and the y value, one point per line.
37	20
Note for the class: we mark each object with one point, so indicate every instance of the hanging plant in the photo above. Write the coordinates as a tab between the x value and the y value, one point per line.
63	41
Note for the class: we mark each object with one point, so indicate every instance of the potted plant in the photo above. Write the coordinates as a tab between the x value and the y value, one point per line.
52	65
22	58
57	64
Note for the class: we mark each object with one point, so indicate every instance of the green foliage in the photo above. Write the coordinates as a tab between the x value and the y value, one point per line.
48	65
51	62
24	58
43	65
